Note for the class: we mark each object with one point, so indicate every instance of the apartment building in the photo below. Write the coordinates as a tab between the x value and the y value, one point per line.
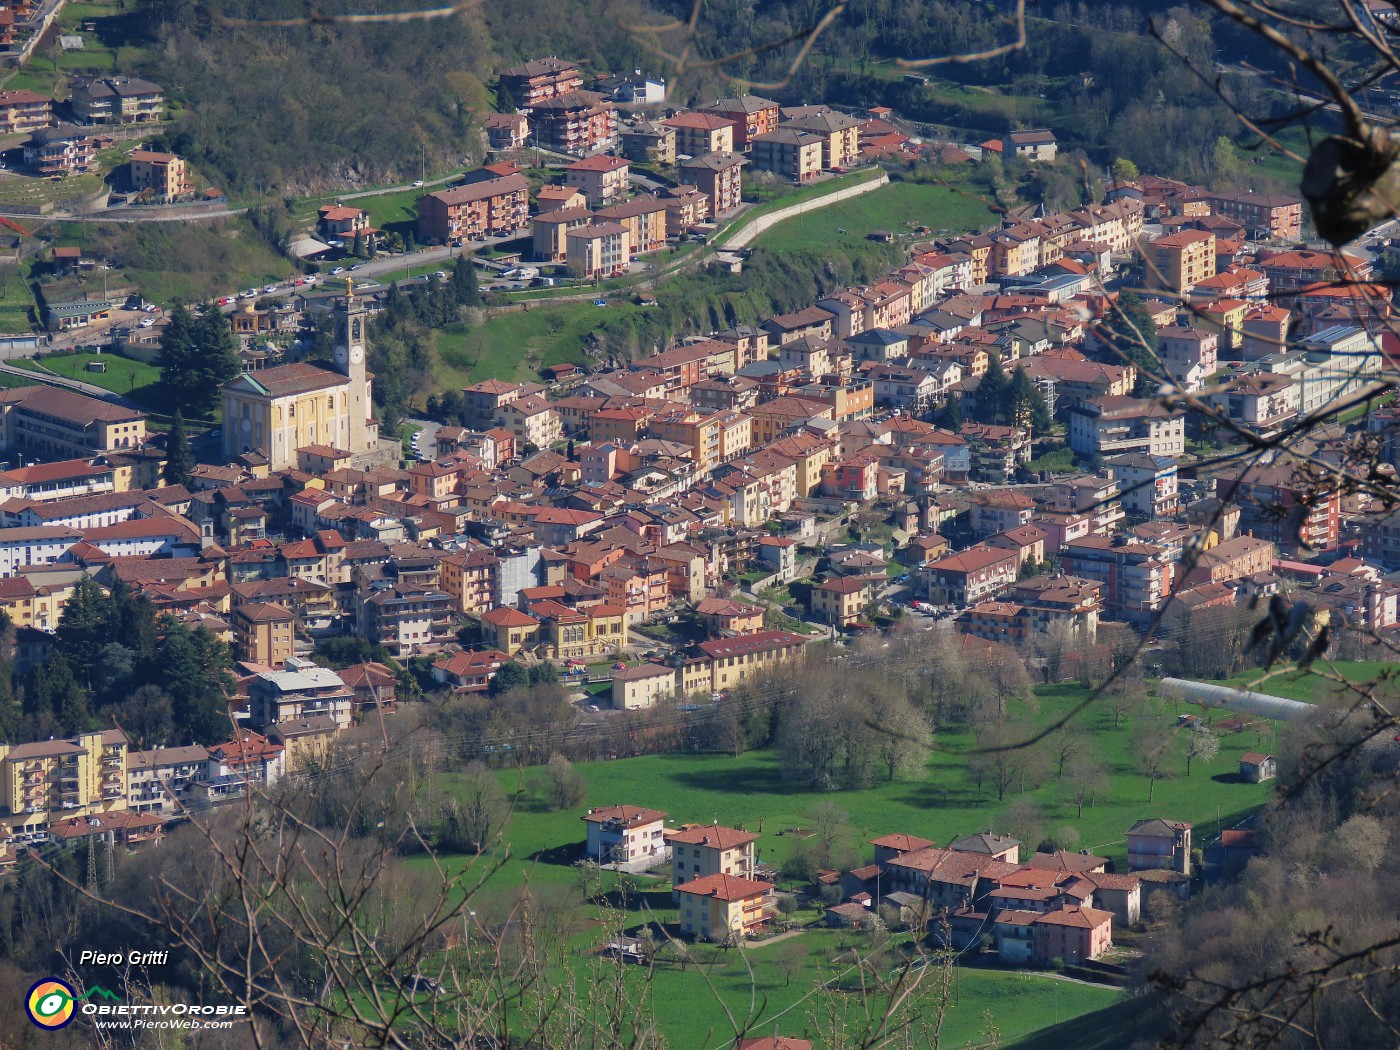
971	576
649	142
161	175
751	115
22	112
550	232
531	83
62	150
789	152
838	132
1107	426
577	123
489	205
50	780
597	249
264	633
159	781
603	180
1136	577
720	177
724	908
701	133
117	100
1182	260
1147	484
1285	507
1265	216
645	221
701	850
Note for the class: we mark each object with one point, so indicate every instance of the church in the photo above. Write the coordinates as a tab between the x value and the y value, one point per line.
278	410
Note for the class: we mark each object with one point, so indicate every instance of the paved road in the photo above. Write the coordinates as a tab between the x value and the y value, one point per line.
426	444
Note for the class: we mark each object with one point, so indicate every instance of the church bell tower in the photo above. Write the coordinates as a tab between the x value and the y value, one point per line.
350	325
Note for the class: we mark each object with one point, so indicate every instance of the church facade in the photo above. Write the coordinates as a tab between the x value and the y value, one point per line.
279	410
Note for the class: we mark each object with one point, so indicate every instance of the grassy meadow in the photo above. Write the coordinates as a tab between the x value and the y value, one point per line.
540	849
895	208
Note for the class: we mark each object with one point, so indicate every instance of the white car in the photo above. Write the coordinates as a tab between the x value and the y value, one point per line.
146	322
251	293
270	288
337	270
417	183
309	279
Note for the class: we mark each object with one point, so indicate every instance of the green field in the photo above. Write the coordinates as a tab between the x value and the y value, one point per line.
497	349
895	207
794	196
123	375
16	303
753	791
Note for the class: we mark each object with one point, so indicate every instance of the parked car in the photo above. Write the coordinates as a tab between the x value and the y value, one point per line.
417	183
337	270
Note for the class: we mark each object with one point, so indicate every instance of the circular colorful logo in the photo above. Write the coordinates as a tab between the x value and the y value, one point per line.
50	1004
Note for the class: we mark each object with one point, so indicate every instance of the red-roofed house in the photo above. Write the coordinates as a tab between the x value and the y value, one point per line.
700	850
602	179
631	838
974	575
724	908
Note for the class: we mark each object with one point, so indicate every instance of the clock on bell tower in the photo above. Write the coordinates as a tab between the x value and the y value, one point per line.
350	337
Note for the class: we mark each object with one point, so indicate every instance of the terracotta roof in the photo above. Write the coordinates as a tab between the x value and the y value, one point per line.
1077	917
66	405
715	835
298	378
725	887
508	617
628	816
759	642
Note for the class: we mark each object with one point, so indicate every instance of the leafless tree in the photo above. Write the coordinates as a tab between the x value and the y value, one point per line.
1153	750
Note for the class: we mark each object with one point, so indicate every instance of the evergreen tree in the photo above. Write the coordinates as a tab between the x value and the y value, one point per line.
358	248
84	629
991	391
53	690
193	668
177	453
176	355
505	101
464	282
1130	337
197	356
510	675
951	415
11	713
1025	401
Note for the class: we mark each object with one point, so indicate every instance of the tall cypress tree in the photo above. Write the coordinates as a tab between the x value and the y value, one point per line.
177	453
464	282
1024	397
991	391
